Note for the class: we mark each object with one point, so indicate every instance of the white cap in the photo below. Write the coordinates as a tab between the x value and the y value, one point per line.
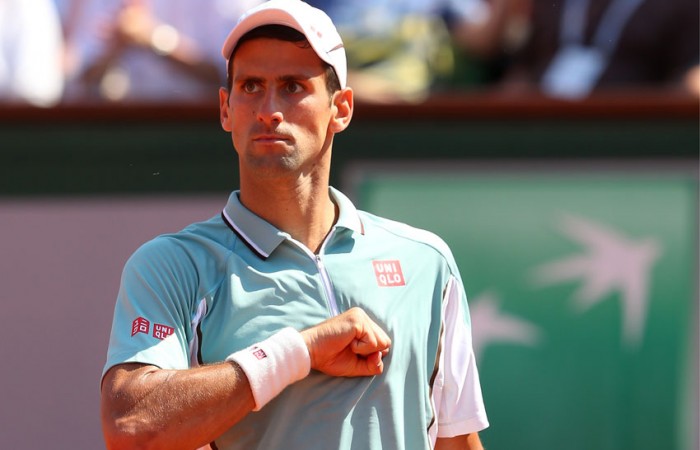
312	22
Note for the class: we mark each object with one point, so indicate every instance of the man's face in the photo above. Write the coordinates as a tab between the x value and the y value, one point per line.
279	110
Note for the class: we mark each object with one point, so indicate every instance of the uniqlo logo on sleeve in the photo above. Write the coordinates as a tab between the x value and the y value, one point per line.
162	331
140	325
258	352
389	273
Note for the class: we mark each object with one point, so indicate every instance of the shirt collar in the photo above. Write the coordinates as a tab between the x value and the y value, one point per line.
263	238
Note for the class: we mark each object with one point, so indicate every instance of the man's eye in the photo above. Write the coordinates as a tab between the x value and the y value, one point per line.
293	88
249	87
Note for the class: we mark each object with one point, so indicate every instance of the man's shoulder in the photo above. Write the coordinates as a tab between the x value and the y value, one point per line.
405	232
198	241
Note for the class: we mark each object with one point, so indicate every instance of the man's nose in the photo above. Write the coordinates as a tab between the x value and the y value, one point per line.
270	111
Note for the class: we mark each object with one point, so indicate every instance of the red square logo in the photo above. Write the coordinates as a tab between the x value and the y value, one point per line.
140	325
389	273
258	352
162	331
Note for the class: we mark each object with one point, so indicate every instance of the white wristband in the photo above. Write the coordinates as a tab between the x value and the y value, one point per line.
274	364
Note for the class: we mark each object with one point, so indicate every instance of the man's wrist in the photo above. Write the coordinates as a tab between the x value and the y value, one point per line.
274	364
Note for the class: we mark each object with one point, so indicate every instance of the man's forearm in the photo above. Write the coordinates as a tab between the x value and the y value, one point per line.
464	442
144	406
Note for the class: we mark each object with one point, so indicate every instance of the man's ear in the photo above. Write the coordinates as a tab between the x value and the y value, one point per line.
224	116
343	107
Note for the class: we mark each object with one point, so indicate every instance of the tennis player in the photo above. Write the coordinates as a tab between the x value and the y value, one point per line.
291	320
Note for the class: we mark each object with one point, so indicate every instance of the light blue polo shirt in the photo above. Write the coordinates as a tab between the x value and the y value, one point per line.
196	296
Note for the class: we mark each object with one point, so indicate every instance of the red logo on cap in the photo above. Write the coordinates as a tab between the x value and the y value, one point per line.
162	331
318	32
389	273
140	325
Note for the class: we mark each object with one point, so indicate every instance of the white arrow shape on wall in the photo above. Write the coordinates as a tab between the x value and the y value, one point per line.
490	325
611	262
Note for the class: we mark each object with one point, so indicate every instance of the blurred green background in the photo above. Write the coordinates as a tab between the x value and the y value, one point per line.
558	374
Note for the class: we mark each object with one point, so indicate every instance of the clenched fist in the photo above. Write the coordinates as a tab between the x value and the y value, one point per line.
348	345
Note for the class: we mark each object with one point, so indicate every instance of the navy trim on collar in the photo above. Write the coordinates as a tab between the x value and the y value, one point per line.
242	237
262	238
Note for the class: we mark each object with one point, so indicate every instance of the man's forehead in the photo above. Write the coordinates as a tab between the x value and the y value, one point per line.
269	54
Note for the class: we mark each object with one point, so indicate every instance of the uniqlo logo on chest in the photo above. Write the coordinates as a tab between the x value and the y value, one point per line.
140	325
389	273
162	331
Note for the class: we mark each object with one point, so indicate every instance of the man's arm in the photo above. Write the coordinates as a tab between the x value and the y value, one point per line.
144	406
458	401
465	442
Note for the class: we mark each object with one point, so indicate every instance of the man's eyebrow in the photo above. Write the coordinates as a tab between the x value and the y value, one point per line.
247	78
291	77
294	77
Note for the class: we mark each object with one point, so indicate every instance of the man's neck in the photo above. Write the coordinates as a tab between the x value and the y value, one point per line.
304	210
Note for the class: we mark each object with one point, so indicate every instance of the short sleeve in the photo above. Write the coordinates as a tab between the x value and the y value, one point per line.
151	323
457	391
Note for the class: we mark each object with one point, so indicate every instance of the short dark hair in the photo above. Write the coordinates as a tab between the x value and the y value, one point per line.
287	34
